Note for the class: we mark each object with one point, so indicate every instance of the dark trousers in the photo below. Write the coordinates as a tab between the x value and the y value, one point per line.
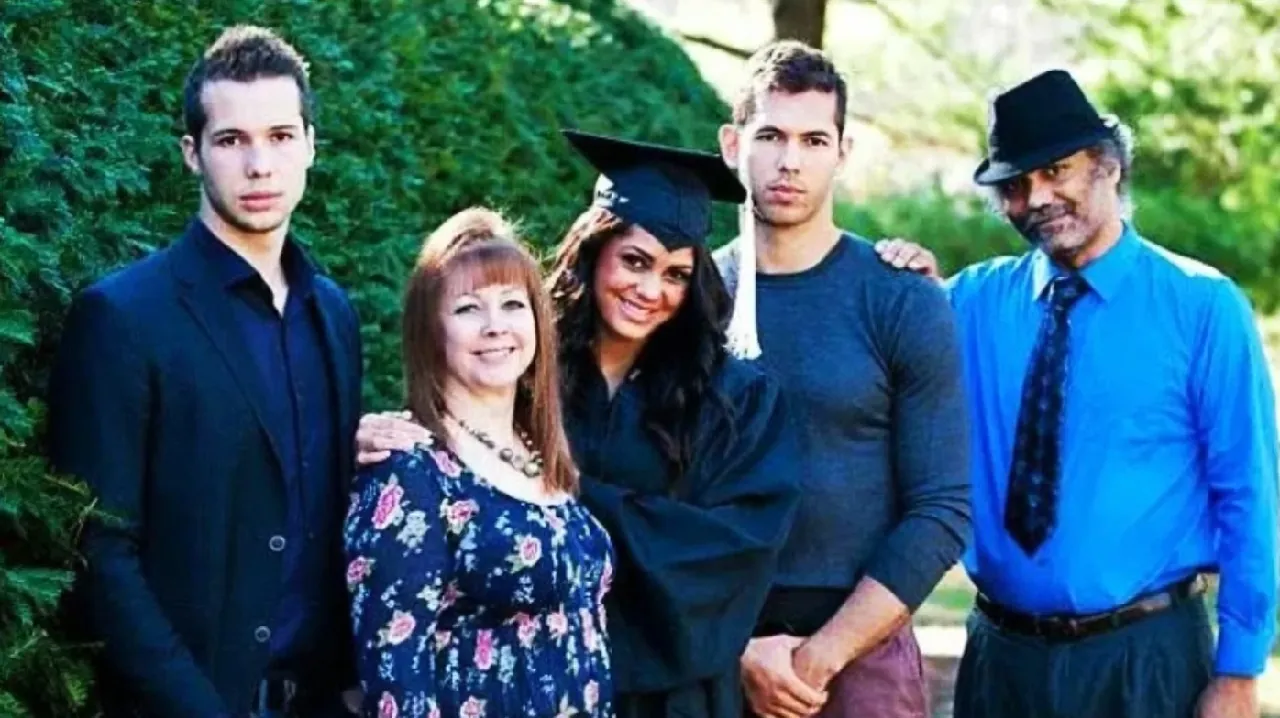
280	697
329	711
1154	668
719	697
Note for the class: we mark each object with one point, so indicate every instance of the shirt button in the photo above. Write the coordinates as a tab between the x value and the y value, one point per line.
276	543
262	634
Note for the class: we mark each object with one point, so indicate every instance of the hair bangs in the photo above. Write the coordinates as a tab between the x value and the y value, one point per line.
486	264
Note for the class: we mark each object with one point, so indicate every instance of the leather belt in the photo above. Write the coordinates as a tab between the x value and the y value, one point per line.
1074	628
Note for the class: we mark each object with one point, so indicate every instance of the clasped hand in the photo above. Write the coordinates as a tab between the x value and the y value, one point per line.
784	677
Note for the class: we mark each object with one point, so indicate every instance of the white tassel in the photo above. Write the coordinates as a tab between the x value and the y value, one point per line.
743	339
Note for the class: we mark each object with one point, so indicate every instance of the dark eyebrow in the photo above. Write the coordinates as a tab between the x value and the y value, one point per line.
233	131
821	134
637	250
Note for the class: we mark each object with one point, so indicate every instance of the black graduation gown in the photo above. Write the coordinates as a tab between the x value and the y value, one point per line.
694	564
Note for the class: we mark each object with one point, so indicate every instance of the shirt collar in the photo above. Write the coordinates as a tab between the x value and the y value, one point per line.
1105	275
231	269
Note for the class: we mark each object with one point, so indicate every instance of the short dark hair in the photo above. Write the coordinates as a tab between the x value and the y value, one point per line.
792	67
243	53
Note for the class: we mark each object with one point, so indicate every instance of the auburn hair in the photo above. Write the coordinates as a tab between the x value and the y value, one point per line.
473	249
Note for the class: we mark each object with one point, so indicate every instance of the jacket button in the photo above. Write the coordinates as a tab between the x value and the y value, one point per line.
276	543
262	634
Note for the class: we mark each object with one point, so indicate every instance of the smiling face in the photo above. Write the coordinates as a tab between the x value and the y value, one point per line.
253	154
1066	207
490	337
639	284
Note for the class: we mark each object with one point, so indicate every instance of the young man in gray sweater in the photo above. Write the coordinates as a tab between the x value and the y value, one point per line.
869	357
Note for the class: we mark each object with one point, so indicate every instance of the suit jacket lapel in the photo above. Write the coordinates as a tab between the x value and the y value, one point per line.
206	300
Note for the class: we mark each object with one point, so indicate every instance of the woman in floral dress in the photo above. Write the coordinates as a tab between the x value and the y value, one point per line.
477	578
686	452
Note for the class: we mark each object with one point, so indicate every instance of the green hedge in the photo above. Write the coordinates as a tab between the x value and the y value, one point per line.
424	107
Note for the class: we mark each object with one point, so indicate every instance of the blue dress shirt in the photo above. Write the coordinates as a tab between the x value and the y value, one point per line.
1169	456
288	349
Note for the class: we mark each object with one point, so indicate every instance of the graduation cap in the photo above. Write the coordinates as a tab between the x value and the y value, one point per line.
668	191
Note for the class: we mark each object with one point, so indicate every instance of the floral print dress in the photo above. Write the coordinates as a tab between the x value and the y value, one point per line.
469	602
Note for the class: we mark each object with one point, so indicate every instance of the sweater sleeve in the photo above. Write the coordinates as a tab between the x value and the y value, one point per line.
929	445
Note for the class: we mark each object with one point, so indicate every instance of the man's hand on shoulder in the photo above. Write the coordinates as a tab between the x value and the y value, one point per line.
903	254
380	434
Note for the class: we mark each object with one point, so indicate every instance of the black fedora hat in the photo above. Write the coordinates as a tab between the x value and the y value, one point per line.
1037	123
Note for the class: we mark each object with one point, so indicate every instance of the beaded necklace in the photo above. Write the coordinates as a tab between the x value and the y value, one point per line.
531	467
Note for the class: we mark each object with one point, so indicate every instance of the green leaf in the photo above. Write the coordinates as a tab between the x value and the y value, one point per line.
17	326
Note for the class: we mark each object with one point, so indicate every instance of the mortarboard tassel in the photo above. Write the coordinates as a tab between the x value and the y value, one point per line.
743	339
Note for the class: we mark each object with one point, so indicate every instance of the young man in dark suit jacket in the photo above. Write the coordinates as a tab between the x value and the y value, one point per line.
208	394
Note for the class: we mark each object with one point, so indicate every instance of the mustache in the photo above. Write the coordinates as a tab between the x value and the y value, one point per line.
1033	219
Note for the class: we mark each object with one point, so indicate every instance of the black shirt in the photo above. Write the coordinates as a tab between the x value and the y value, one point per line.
288	349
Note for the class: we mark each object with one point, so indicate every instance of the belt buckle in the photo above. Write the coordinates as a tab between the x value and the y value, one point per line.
1057	628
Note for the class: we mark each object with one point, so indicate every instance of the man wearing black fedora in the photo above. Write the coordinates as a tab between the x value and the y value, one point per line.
1123	437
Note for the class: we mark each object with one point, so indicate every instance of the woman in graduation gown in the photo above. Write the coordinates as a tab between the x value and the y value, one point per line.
686	453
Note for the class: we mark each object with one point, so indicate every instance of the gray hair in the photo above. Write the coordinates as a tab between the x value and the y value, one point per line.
1118	149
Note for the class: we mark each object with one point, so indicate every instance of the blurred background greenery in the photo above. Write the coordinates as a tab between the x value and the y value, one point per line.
1194	78
428	106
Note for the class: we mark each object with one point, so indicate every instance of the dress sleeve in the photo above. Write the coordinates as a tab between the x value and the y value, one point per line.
694	569
398	565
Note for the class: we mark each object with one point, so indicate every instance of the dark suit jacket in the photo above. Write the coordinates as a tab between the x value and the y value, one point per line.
155	404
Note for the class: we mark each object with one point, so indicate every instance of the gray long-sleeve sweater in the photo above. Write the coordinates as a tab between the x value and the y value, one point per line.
870	360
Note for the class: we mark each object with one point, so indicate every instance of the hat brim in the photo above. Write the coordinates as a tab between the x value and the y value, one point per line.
989	173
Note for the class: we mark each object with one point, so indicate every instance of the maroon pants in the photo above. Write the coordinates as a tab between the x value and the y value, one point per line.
887	682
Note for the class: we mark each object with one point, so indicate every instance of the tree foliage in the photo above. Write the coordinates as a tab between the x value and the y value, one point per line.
1194	78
